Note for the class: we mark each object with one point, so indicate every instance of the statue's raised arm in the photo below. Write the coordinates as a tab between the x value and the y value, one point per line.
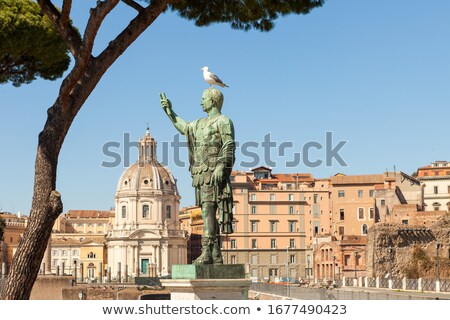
178	122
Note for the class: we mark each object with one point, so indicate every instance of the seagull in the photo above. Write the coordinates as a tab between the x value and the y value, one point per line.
211	78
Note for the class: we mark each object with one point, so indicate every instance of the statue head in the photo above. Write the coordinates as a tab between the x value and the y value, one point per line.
212	98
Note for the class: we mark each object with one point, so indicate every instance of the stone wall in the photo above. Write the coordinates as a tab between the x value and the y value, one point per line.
50	287
405	251
106	292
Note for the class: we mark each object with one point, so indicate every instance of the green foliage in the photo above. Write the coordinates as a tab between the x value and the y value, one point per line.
2	228
242	14
29	45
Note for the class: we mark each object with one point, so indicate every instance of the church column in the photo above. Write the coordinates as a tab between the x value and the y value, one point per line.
133	261
153	254
158	259
138	266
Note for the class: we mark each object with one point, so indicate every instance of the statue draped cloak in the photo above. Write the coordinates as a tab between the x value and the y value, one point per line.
210	143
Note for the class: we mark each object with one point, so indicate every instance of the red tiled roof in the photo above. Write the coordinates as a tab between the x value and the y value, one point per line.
358	179
73	214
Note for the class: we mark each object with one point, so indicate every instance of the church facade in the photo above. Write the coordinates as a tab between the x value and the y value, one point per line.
145	238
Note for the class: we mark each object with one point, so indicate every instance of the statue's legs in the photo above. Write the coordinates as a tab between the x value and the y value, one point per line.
211	238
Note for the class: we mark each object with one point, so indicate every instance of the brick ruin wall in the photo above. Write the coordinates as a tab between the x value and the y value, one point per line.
407	251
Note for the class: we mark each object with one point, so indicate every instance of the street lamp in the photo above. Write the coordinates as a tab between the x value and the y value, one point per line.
287	263
356	256
308	260
438	275
334	269
287	269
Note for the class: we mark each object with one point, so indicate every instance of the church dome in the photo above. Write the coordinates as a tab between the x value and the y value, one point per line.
147	174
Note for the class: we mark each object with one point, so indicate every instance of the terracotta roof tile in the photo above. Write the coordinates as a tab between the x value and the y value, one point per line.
73	214
358	179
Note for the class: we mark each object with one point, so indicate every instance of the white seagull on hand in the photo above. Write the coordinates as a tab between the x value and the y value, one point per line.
211	78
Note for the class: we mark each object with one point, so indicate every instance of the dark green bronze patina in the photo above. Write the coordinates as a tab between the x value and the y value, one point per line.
211	156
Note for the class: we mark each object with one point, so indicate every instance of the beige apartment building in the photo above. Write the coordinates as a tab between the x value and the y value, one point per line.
271	233
353	203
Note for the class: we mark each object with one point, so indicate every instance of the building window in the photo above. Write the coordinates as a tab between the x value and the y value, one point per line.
364	229
292	243
341	214
64	253
91	255
347	260
234	226
371	193
341	230
145	211
291	226
253	209
361	213
233	243
272	197
124	212
371	213
383	202
404	221
291	209
341	193
360	193
316	198
273	226
254	226
55	253
254	244
292	258
233	259
291	197
168	212
273	243
254	259
273	259
75	252
436	189
253	197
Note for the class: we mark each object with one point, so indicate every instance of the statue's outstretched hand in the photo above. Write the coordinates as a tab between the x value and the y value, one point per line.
165	103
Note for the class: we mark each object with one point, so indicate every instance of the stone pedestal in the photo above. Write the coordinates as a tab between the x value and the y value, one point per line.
208	282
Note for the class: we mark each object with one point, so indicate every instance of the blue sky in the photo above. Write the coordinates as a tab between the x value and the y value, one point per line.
374	73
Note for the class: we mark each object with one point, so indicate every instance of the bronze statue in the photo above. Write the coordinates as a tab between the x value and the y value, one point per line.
211	157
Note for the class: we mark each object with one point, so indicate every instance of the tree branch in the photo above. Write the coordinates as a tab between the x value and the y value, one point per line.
97	15
65	14
136	26
134	5
67	32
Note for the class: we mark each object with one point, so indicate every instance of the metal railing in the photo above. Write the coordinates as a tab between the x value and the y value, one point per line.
445	285
412	284
276	291
428	285
397	283
371	282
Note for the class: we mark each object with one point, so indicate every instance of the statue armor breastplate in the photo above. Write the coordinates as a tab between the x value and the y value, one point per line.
206	150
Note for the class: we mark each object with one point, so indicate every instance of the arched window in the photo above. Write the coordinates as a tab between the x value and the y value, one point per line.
124	212
168	212
145	211
364	229
91	255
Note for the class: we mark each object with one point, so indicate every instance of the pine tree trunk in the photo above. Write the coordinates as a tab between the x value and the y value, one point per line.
74	91
46	208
